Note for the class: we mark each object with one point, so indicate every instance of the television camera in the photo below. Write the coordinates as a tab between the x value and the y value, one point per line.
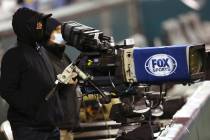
126	71
110	64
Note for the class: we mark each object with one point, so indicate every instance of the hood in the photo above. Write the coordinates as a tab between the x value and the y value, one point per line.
51	24
26	25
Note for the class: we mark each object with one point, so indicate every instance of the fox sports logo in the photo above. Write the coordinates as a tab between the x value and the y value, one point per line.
160	65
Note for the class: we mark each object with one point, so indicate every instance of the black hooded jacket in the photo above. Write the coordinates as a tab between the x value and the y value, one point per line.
27	76
67	93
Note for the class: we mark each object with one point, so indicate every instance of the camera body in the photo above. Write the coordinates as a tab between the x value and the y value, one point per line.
128	64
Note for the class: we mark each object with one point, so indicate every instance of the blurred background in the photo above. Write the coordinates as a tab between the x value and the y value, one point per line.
149	22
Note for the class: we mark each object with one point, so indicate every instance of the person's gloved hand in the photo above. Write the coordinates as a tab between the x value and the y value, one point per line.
73	80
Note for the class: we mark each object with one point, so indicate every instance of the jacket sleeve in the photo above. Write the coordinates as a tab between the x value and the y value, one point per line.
10	78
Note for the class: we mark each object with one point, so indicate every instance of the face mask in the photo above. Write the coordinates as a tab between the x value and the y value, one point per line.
58	39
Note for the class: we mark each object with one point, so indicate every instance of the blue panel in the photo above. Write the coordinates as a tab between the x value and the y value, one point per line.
156	65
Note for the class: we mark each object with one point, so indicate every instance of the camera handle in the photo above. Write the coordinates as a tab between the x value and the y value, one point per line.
66	76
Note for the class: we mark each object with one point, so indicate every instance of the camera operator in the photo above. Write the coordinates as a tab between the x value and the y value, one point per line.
27	76
67	93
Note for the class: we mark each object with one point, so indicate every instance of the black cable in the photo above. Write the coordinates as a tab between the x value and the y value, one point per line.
113	85
105	99
115	88
160	100
150	122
